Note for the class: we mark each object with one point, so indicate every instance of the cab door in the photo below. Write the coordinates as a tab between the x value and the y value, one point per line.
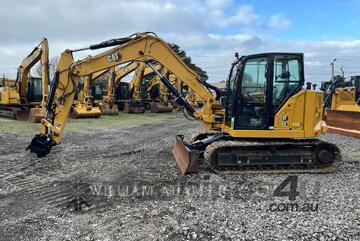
251	110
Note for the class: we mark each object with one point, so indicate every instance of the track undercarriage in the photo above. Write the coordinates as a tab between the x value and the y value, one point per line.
225	154
24	112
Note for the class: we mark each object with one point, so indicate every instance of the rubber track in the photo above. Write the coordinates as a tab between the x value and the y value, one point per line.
210	154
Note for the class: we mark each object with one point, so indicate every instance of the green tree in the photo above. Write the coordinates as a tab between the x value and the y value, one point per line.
182	54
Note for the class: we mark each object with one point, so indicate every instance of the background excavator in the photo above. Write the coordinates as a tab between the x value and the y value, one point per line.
109	104
342	105
83	106
268	121
137	89
158	95
25	98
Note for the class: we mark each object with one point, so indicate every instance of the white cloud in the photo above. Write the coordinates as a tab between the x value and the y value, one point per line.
244	15
279	21
210	31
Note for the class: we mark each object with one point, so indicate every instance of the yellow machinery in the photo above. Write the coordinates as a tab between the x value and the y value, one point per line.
268	121
136	103
158	94
25	99
342	105
83	106
194	99
108	105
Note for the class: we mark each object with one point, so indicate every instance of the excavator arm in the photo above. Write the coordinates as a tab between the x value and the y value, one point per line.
136	81
145	48
108	104
123	71
40	53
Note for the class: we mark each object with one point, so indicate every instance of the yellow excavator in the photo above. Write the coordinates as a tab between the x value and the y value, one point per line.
342	105
268	123
83	107
136	102
158	94
25	98
108	104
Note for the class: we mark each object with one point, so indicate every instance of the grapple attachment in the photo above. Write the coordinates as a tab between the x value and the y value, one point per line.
36	114
159	107
132	106
187	159
41	145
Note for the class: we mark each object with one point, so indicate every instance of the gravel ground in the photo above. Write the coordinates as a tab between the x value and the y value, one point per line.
128	178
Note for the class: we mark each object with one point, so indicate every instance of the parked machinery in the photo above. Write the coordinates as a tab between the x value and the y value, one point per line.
108	104
25	98
83	107
137	89
158	94
342	105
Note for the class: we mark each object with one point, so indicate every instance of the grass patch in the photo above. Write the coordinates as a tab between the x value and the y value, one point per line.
105	121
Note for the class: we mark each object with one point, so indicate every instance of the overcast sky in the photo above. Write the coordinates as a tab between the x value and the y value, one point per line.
210	31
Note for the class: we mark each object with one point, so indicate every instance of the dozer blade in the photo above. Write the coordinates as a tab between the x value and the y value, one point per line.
107	110
36	114
343	119
132	106
158	107
82	112
186	159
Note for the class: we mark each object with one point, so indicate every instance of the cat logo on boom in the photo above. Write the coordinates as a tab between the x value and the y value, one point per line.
115	57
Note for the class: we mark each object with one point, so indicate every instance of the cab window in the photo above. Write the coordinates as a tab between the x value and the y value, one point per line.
287	78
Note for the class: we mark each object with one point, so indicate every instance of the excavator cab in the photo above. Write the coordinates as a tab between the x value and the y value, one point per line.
34	90
97	91
122	93
356	82
265	123
258	86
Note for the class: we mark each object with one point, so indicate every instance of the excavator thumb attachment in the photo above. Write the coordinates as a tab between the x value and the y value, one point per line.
159	107
41	145
186	158
36	114
133	106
